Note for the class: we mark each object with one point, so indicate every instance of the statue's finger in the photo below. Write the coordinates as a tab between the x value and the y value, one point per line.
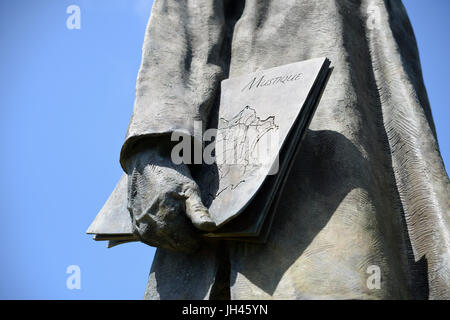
198	213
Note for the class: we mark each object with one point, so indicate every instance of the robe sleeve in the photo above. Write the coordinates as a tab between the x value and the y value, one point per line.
180	72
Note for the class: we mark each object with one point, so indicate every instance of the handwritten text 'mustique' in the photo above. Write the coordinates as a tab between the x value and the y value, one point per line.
263	82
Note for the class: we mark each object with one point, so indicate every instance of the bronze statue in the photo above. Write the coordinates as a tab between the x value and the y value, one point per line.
368	188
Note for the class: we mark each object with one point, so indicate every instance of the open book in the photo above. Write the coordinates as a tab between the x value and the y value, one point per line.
262	119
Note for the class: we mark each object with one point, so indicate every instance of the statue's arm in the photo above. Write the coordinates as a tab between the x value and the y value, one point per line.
177	83
181	69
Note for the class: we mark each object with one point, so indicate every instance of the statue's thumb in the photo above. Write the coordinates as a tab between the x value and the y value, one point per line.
198	213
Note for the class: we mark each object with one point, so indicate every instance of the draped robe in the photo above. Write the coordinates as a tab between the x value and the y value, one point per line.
368	186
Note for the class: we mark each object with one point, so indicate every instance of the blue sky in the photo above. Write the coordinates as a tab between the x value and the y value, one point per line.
66	97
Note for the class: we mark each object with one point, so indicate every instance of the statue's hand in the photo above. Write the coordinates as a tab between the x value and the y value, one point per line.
164	202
